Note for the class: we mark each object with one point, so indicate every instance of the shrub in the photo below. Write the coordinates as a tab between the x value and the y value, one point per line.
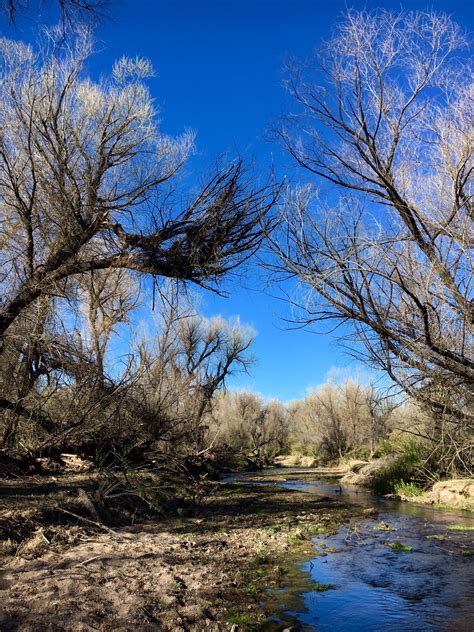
303	449
407	490
405	470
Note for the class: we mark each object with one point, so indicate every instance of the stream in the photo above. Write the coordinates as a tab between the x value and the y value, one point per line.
362	584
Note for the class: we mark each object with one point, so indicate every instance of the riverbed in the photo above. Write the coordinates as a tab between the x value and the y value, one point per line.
408	567
248	558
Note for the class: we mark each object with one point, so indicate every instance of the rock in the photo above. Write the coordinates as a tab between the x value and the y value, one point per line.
364	474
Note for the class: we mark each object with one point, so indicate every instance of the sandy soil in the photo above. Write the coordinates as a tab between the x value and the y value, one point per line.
207	572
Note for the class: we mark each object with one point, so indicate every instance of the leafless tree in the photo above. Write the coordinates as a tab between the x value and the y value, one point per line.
384	124
63	376
88	194
22	366
184	364
249	426
82	169
341	418
381	408
70	10
279	420
106	300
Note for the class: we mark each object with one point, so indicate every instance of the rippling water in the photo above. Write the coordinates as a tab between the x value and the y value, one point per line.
376	588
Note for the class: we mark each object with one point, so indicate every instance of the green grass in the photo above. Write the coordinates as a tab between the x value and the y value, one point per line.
305	533
408	490
459	527
383	526
253	590
245	619
323	587
400	473
304	450
262	556
294	538
399	547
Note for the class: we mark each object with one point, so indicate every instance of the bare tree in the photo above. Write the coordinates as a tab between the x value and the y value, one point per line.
385	122
182	366
70	10
22	364
62	371
249	426
82	168
106	300
340	418
86	188
279	421
381	408
211	351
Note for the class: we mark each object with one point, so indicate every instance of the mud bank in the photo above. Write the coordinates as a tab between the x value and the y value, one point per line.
207	572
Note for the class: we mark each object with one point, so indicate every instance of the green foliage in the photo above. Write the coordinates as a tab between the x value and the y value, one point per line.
282	452
323	587
383	526
407	490
459	527
262	556
404	471
402	444
253	590
306	533
245	619
304	449
361	452
399	547
295	537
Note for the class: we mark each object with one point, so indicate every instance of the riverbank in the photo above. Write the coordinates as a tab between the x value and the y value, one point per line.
455	493
195	573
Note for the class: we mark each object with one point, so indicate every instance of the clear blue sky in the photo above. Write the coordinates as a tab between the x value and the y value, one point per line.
219	72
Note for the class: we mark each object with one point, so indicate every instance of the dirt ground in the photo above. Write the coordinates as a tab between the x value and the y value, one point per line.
210	572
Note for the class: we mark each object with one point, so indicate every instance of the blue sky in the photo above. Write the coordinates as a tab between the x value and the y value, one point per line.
219	72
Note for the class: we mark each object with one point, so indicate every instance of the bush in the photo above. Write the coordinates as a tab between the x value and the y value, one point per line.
407	490
405	470
303	449
360	452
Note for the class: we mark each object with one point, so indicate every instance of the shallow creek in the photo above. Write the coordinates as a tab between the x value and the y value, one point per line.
360	583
